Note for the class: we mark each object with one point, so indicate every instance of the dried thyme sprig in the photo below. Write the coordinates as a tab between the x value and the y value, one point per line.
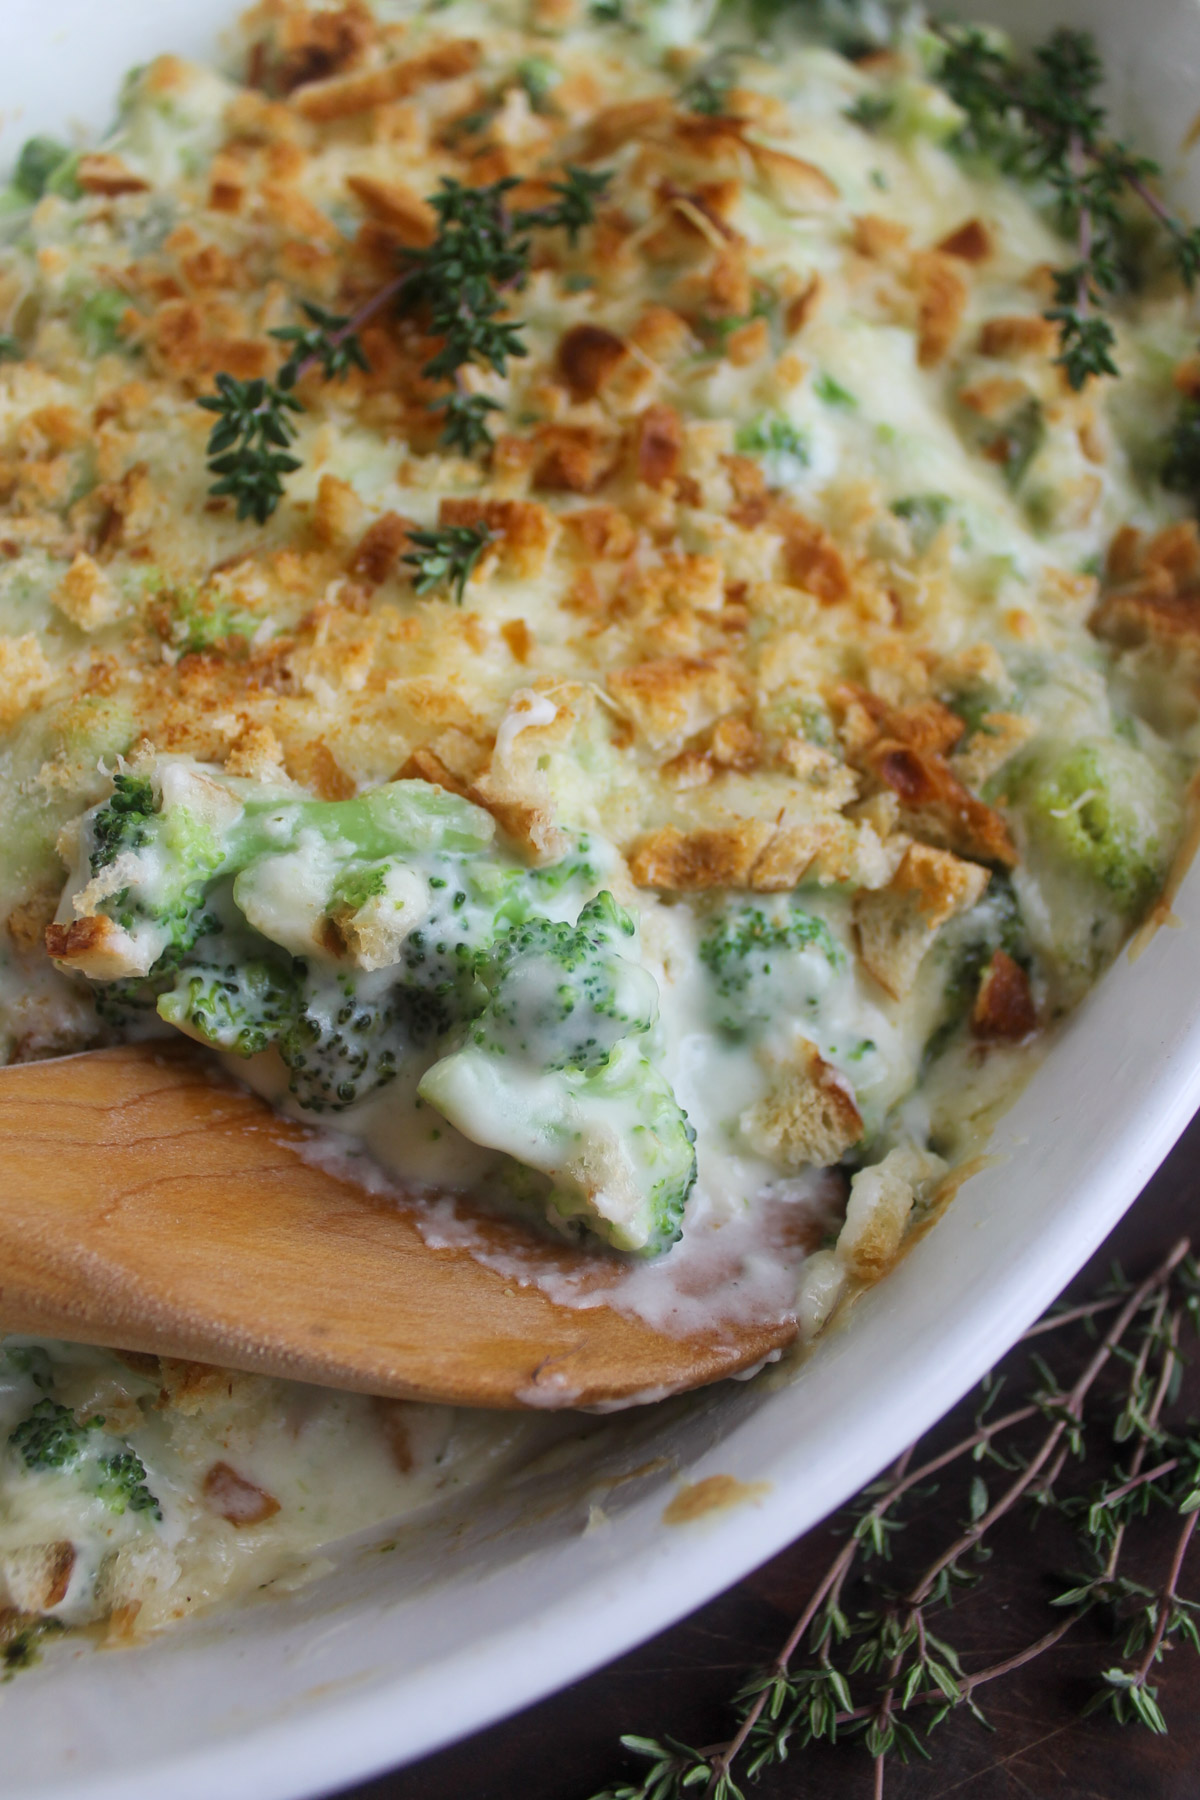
871	1675
1045	123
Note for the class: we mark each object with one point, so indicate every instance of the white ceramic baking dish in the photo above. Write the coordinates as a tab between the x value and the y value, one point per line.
480	1612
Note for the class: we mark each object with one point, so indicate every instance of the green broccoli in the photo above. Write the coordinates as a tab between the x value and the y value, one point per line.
783	447
966	948
98	320
363	937
120	824
924	514
44	166
208	620
1181	465
1096	821
767	959
20	1640
539	77
236	1006
122	1484
561	995
51	1441
50	1438
1102	809
341	1045
613	1141
828	389
551	1074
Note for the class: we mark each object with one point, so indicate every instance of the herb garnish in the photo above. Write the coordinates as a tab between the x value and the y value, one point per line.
868	1674
707	89
447	557
248	446
459	282
1045	123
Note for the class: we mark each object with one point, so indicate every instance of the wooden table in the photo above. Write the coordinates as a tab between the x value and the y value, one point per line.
566	1747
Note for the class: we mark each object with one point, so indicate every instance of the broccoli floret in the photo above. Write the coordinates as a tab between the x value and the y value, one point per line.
539	77
20	1640
27	1359
122	1484
562	995
208	621
240	1006
767	959
357	937
98	320
50	1438
613	1141
45	166
1096	821
120	824
924	514
828	389
551	1074
1104	809
1181	467
967	947
51	1441
341	1046
783	447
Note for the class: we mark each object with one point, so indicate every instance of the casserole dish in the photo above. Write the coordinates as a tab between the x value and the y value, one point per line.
550	1571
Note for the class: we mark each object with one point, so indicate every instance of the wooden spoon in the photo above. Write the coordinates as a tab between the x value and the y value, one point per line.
148	1204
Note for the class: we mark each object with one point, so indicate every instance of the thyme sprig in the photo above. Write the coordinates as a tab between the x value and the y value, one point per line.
885	1674
248	446
329	340
482	252
447	557
1045	122
461	282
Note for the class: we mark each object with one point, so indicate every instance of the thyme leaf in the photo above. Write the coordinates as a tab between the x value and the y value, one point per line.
1043	121
884	1675
247	447
447	557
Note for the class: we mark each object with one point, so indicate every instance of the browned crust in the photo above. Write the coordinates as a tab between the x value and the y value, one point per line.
936	805
65	942
659	445
941	301
398	206
971	242
1004	1009
345	95
380	548
235	1498
588	357
1018	334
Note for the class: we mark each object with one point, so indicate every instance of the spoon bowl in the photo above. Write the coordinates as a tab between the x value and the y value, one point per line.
149	1204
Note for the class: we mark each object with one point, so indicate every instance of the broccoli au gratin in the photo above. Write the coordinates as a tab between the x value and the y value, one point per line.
602	601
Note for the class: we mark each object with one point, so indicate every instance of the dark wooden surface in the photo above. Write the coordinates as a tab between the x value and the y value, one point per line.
566	1747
